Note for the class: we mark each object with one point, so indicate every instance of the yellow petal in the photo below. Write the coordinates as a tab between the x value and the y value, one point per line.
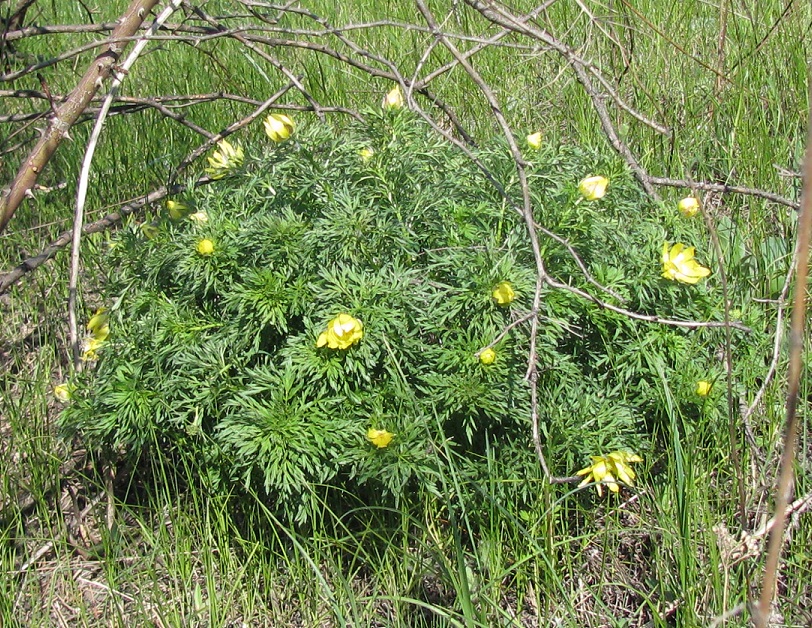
279	127
503	294
534	140
593	188
393	99
688	207
379	438
205	247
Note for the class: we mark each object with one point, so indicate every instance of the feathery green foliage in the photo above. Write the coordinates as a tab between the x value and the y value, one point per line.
213	357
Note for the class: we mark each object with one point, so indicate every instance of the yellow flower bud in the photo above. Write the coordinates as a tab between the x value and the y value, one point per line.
534	140
593	188
98	323
488	356
177	209
379	438
703	388
63	392
366	154
688	207
149	230
205	247
503	294
279	127
393	99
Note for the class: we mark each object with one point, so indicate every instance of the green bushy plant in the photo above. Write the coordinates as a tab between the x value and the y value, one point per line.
213	357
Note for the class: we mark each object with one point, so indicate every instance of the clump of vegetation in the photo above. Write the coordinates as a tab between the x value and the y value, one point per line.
346	307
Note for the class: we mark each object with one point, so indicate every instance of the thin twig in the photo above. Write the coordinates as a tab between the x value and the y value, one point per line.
779	336
501	16
527	214
84	176
724	188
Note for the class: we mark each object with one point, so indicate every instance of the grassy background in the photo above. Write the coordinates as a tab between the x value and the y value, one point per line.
179	557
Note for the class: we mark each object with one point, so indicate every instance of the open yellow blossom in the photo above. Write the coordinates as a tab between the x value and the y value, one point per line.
90	347
534	140
63	392
703	388
393	99
488	356
503	294
98	329
609	470
366	154
379	438
679	264
205	247
176	209
225	161
279	127
688	207
199	217
342	332
593	188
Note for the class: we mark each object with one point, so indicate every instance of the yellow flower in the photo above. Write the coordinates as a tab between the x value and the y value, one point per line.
703	388
225	160
593	188
279	127
90	346
503	294
488	356
63	392
379	438
149	230
366	154
199	217
98	330
679	264
205	247
688	207
98	325
393	99
176	209
609	470
342	332
534	140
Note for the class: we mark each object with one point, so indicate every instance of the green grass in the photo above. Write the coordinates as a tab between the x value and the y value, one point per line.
179	556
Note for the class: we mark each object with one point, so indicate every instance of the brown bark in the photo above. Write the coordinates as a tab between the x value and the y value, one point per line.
71	109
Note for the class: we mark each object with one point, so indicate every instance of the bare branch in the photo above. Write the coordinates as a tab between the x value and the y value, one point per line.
68	113
761	608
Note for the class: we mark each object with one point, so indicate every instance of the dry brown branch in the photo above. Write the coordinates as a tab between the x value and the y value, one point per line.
70	111
723	188
761	608
527	214
32	263
499	15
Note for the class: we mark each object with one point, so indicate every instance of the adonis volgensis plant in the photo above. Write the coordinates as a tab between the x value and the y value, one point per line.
340	308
